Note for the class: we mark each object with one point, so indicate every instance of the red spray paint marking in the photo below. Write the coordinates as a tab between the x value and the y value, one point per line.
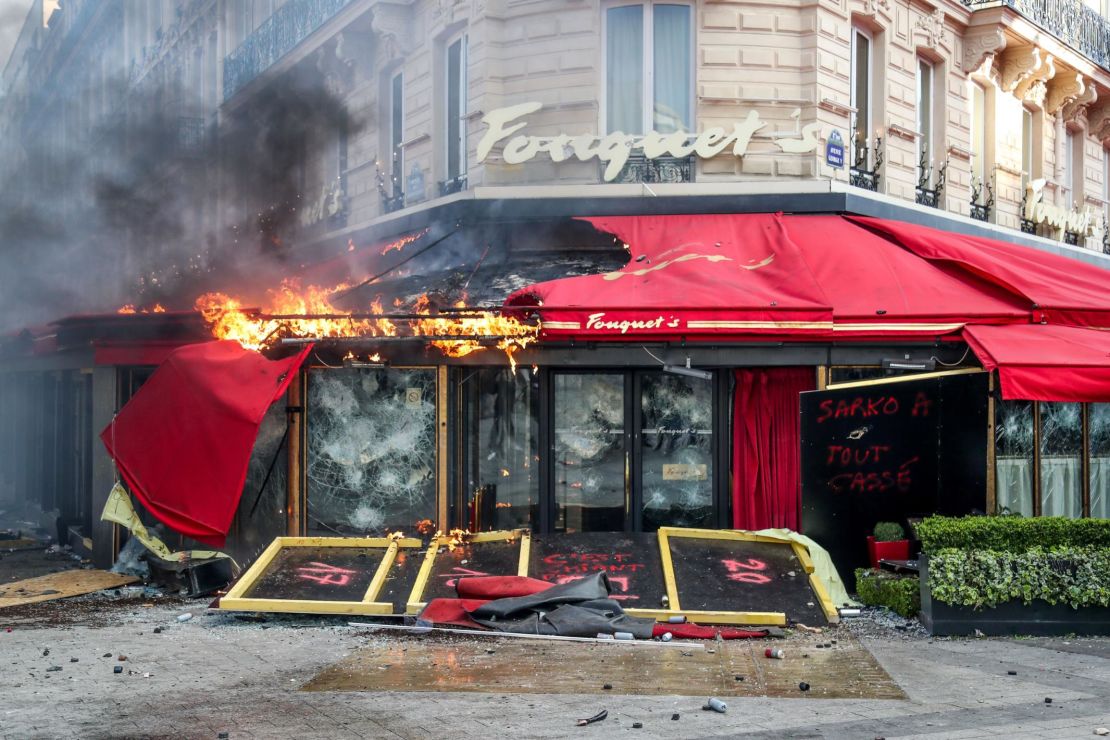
326	575
744	572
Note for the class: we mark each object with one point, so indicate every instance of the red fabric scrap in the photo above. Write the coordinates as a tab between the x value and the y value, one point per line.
499	587
691	631
452	611
184	440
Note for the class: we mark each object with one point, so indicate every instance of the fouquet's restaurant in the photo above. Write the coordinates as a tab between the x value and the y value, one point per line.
594	374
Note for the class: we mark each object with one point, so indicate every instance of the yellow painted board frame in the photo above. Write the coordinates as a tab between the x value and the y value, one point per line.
801	552
751	619
416	601
903	378
234	600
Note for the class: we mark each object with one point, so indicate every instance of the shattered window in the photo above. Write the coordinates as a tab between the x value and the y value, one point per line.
371	450
590	461
1013	436
677	451
1099	440
501	431
1061	459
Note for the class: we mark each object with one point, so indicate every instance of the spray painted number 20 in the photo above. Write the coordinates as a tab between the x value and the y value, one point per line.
745	571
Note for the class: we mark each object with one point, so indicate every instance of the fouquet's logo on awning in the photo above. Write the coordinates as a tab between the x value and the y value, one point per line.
614	149
598	322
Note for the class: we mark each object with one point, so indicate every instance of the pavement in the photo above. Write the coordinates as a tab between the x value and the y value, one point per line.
216	674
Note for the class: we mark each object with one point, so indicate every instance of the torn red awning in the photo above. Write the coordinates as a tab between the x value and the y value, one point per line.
787	276
1045	362
183	442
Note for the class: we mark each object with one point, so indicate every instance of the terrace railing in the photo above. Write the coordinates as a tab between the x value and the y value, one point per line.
278	35
1071	21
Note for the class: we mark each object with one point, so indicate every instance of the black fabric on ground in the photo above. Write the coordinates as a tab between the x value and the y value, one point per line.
577	609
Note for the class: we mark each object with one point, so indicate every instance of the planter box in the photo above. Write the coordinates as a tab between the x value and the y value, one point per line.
892	550
1011	618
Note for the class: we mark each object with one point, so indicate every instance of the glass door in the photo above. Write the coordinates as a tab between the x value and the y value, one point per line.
674	452
590	452
633	451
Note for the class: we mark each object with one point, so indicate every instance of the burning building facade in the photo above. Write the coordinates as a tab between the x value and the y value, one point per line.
379	177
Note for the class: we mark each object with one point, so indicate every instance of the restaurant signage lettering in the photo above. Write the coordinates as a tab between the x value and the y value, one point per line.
1080	222
614	149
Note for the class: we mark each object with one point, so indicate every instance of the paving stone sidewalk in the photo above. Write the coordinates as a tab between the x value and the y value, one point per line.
215	674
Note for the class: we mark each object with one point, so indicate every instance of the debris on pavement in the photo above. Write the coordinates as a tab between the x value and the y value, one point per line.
715	705
596	718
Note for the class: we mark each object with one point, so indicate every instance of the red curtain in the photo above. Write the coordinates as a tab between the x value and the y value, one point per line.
765	446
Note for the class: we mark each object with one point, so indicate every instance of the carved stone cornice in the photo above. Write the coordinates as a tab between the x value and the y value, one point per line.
1017	64
1035	84
981	45
1076	110
1062	90
1098	120
871	8
932	28
393	22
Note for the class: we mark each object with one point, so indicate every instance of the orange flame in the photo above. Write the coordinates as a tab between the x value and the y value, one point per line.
229	319
129	308
403	242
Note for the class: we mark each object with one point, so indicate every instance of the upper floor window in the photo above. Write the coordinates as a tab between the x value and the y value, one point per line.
396	128
1067	178
1026	147
455	98
649	68
924	112
862	47
979	132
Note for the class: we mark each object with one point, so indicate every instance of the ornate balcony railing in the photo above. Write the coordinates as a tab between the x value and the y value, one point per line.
454	185
658	170
1071	21
981	211
279	34
926	196
858	174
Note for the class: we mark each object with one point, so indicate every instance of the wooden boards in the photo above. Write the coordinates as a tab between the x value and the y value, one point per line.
59	586
321	575
448	559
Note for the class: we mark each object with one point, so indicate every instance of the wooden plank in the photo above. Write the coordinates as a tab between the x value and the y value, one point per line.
59	586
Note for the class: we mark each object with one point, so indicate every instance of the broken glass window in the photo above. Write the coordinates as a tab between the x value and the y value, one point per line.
676	445
371	450
1099	450
589	455
1061	459
1013	437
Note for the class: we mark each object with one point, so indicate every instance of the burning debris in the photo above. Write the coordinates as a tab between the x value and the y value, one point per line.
293	312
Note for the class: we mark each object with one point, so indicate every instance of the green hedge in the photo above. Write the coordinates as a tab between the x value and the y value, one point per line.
879	588
1010	533
979	578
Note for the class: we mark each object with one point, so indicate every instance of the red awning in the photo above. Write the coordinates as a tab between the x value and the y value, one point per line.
1044	362
1062	290
183	441
793	277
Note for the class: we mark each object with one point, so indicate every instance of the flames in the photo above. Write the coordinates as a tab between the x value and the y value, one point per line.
129	308
309	312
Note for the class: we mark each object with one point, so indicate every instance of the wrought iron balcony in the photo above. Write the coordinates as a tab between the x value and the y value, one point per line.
926	196
858	174
278	35
452	186
661	169
981	211
1071	21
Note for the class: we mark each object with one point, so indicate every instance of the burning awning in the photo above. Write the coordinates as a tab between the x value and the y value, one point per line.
183	441
1045	362
790	277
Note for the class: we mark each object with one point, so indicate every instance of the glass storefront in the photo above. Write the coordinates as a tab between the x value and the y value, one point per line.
1061	448
1013	439
371	450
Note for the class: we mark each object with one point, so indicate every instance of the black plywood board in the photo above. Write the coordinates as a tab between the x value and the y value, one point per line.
401	577
632	561
888	452
318	574
742	576
501	558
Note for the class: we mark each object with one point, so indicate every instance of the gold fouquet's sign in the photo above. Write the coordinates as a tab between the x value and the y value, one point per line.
614	149
1036	210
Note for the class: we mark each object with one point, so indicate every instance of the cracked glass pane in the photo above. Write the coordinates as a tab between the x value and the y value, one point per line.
1013	464
590	461
677	451
1061	459
1099	440
502	430
371	450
